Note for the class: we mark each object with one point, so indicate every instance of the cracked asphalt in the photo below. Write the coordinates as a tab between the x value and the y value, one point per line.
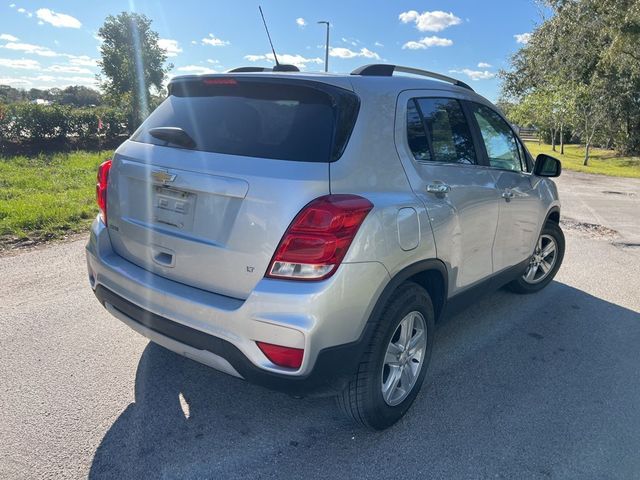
539	386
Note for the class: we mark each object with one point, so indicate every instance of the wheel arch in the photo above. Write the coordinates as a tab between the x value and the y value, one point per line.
553	215
431	274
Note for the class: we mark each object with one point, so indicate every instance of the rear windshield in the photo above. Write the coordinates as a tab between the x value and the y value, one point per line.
267	118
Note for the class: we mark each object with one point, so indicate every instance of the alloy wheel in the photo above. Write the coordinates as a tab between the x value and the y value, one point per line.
543	260
404	358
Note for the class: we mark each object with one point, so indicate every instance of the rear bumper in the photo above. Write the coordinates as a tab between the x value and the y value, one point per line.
328	319
333	366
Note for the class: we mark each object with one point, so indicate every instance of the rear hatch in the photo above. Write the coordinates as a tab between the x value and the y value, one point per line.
204	190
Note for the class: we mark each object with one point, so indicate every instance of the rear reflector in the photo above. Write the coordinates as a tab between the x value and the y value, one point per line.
318	238
101	188
282	356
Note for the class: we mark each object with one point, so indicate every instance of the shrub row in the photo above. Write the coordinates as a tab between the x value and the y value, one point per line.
26	122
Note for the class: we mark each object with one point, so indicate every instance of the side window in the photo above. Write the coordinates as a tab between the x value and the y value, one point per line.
416	135
447	130
502	147
437	131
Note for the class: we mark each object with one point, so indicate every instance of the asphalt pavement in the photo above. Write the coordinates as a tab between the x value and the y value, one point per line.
539	386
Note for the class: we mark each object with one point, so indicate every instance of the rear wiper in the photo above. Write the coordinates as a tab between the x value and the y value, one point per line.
174	135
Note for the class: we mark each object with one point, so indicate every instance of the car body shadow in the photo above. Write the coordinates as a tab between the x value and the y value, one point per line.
534	386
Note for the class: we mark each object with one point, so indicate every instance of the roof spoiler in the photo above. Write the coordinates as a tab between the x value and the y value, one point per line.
277	68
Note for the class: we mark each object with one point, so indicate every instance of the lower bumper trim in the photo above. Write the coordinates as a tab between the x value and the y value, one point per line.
333	368
203	356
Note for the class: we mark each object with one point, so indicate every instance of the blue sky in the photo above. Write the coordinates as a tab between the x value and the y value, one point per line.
49	43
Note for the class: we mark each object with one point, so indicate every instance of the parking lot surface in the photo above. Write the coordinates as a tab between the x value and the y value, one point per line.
539	386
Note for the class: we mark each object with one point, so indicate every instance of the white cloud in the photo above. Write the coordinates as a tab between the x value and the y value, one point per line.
484	65
209	60
63	82
297	60
30	48
67	69
378	44
475	74
21	10
435	21
13	5
301	22
75	61
214	41
427	42
522	37
351	41
83	60
16	82
195	69
80	80
341	52
61	20
48	81
22	64
7	37
45	78
170	46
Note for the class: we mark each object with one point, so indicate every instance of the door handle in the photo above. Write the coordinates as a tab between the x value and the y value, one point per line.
507	194
438	188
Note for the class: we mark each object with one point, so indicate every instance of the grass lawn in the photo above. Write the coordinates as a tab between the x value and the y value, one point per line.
604	162
48	196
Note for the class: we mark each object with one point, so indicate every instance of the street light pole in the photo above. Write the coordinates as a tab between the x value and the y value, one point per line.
326	47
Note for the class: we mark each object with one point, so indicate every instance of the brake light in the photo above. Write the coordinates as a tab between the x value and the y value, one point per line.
220	81
318	238
282	356
101	188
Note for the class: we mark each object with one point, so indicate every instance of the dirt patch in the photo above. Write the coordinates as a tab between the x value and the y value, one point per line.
10	246
626	244
592	229
615	192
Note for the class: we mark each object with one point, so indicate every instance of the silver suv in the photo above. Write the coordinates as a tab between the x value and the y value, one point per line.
305	231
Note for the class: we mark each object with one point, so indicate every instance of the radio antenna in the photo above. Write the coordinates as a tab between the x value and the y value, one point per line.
275	57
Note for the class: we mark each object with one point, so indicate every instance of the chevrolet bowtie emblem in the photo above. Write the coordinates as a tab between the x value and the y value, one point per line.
162	176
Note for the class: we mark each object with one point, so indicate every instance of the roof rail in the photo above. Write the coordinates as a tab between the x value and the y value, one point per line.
387	70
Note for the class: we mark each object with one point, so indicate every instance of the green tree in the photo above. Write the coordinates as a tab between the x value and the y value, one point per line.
589	115
132	64
78	96
550	108
591	44
9	94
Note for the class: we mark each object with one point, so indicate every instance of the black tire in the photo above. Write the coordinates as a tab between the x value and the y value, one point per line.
520	285
362	399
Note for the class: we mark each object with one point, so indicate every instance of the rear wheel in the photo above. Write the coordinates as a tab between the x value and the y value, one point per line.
393	368
544	263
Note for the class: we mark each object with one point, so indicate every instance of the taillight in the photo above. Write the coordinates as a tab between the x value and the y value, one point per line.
318	238
282	356
101	188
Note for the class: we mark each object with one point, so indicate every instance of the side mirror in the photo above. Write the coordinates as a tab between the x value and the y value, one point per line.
547	166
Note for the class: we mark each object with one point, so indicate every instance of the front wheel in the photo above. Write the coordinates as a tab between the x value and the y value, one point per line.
544	263
393	368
